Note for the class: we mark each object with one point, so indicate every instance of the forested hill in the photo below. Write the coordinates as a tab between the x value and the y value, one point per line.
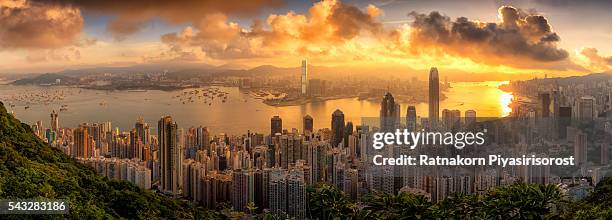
29	168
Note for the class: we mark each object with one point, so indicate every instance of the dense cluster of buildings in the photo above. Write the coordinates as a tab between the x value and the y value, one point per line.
272	170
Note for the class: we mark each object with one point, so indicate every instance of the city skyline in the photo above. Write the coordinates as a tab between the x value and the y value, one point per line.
547	37
261	172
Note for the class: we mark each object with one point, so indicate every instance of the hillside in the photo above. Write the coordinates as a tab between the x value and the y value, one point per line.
30	168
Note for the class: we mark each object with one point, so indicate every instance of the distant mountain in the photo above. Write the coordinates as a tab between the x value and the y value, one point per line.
47	78
140	68
561	81
30	168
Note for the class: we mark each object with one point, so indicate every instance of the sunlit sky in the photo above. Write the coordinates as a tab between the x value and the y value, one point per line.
558	37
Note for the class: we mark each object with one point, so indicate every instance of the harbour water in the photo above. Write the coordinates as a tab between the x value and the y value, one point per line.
240	111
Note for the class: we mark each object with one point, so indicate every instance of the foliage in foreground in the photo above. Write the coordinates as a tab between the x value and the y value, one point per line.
30	168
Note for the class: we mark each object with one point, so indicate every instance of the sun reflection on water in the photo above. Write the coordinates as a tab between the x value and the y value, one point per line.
505	99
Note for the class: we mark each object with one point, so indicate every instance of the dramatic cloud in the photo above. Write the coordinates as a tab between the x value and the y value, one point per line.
520	39
131	15
30	25
597	61
328	26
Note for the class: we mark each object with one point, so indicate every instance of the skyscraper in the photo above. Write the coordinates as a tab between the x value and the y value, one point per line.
276	125
243	189
564	120
434	97
304	82
580	148
308	124
411	119
544	105
296	194
586	108
142	130
170	156
337	125
470	117
54	121
82	143
451	119
389	113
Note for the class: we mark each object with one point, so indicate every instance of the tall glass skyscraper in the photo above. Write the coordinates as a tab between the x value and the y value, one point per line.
389	113
304	82
337	125
434	98
276	125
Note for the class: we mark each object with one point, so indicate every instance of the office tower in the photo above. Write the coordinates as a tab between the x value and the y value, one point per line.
544	105
586	108
470	117
434	98
564	120
451	119
136	146
276	125
142	131
308	124
316	87
389	113
170	156
411	118
580	148
243	187
348	131
203	139
54	121
337	125
81	147
304	82
296	194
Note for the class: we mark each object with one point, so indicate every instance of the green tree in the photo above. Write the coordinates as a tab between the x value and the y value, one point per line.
328	202
399	206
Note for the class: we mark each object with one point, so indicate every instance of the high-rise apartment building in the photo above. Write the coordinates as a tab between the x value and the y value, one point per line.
170	156
82	143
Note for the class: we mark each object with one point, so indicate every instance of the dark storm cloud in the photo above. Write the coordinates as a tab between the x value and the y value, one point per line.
521	37
350	21
131	15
